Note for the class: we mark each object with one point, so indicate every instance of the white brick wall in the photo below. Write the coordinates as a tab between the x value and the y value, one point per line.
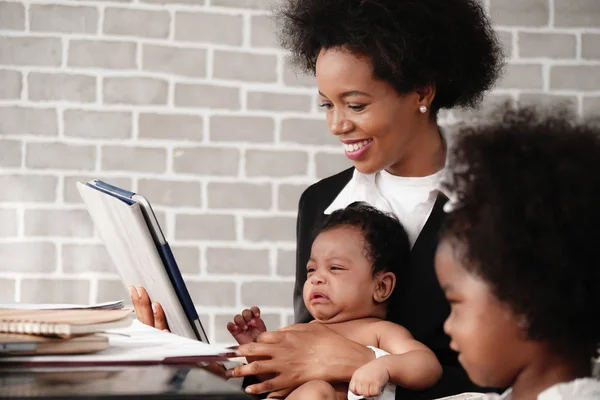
191	103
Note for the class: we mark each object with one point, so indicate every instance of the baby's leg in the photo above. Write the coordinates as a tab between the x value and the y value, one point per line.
317	390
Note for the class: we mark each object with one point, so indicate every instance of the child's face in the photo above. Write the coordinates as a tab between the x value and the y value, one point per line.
340	284
485	332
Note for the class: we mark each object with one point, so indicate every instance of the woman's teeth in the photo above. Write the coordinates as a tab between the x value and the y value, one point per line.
351	148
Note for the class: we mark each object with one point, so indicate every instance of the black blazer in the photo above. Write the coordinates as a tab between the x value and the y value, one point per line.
419	303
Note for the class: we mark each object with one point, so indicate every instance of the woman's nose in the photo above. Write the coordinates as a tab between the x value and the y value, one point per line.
339	124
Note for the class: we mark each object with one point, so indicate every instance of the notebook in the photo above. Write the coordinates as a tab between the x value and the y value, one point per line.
139	251
63	323
14	344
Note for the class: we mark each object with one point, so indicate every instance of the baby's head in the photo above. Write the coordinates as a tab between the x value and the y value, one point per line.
354	263
518	258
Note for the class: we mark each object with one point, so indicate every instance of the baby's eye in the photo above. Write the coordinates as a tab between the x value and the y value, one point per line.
310	270
335	267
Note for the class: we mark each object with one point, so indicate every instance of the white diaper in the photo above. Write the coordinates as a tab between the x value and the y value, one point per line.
389	391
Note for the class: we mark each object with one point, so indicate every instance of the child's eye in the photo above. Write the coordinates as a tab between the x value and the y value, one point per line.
335	268
310	270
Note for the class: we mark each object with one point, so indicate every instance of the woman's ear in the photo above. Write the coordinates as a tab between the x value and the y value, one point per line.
425	95
385	283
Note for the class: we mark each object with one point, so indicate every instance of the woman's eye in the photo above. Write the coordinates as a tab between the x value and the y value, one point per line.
357	108
326	106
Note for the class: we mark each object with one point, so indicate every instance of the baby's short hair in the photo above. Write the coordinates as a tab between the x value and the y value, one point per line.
386	243
526	219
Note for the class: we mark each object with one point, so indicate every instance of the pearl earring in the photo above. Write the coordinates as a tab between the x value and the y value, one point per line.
423	109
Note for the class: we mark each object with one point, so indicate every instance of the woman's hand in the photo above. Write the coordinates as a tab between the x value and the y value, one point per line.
301	353
148	313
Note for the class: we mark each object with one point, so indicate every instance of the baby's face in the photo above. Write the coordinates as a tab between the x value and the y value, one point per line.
485	332
340	283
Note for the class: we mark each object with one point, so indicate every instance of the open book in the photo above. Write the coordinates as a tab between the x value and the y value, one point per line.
12	344
63	323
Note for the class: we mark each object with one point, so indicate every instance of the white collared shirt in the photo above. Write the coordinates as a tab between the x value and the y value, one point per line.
411	199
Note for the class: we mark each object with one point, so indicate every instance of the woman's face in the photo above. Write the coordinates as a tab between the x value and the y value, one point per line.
378	126
485	332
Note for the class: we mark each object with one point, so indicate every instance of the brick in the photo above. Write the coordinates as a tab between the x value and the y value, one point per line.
286	262
130	90
102	54
28	257
206	161
207	96
252	4
30	51
204	227
73	223
279	163
197	3
550	45
60	156
239	195
174	60
489	104
219	294
245	66
293	76
268	294
328	164
10	223
208	28
520	13
81	258
65	291
11	83
139	159
61	87
576	13
98	124
590	46
68	19
28	188
188	259
71	194
307	131
171	193
505	38
289	195
171	126
28	121
222	335
576	77
130	22
12	16
278	101
237	261
230	128
263	32
10	153
548	101
261	229
112	289
8	290
591	107
522	76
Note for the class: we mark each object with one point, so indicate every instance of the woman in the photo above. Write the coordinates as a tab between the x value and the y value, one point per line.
384	69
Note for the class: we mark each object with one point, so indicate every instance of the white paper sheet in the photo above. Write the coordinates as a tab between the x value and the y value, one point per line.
109	305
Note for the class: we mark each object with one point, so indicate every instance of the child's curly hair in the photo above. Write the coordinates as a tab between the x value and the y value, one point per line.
527	220
411	43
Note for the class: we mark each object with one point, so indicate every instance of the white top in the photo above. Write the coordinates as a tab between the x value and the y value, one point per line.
411	200
579	389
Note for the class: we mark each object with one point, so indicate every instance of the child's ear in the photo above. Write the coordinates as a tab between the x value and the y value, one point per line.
385	283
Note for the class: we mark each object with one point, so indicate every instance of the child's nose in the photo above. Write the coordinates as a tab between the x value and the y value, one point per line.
317	278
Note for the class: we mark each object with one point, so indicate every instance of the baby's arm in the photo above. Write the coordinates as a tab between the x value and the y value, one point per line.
246	327
410	364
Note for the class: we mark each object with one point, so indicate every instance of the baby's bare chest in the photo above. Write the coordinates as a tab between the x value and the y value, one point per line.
363	332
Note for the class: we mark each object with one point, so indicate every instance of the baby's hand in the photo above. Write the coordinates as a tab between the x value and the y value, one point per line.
369	380
247	325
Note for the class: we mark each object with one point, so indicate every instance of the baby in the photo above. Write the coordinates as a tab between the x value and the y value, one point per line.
518	259
355	261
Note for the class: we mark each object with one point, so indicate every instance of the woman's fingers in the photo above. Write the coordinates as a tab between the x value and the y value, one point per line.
160	320
141	303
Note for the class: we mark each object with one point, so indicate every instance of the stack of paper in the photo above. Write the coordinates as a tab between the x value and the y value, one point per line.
110	305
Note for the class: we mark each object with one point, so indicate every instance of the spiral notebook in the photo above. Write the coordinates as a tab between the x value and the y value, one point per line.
62	323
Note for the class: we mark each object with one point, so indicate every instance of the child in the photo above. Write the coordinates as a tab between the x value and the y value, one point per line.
352	274
518	258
